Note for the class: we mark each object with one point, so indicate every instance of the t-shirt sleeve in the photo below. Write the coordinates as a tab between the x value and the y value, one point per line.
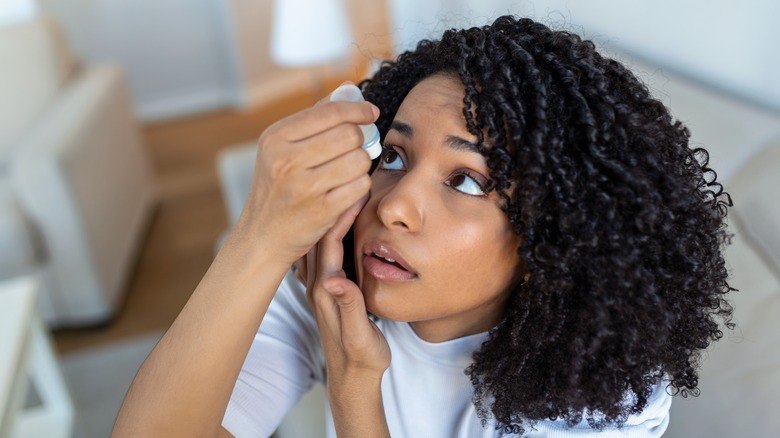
284	361
650	423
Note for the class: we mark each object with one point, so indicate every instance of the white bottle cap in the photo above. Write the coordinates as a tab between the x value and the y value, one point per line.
351	93
372	145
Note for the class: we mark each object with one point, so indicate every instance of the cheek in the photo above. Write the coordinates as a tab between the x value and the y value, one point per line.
476	253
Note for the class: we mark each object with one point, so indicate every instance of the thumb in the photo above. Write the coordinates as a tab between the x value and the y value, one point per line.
363	343
340	228
352	307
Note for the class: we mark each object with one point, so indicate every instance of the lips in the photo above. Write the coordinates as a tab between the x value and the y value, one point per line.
383	262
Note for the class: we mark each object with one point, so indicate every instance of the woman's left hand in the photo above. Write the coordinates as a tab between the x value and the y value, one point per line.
356	351
354	346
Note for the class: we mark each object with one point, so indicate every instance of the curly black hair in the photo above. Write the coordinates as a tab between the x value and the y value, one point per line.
622	223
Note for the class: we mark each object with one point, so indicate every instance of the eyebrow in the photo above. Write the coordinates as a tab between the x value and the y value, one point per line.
453	141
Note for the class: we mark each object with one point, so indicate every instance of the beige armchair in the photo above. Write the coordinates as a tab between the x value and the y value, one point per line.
75	186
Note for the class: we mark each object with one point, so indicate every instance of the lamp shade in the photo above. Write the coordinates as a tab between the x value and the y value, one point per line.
306	33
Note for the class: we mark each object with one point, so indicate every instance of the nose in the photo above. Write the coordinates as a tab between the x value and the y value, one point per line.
401	204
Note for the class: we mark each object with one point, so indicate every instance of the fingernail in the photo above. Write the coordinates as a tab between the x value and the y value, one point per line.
376	110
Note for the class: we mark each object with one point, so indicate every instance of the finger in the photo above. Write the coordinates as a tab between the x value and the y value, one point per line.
330	256
324	116
328	145
355	327
340	170
343	197
345	221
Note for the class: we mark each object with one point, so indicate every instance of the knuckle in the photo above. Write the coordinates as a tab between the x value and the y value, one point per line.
263	143
364	183
352	135
270	136
366	168
281	167
311	190
363	163
335	109
353	346
320	298
347	303
356	162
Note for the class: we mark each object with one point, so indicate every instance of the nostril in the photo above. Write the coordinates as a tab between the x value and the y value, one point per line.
400	224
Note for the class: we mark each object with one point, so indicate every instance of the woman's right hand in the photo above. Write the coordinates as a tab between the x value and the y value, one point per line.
309	169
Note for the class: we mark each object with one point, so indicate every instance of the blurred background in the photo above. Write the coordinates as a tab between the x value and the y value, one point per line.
126	146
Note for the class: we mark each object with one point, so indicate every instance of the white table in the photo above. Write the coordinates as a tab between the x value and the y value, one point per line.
26	357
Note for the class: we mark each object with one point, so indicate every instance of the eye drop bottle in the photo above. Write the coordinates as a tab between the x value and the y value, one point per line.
351	93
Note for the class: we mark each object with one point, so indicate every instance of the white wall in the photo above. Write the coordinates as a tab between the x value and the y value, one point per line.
16	11
731	45
175	52
185	56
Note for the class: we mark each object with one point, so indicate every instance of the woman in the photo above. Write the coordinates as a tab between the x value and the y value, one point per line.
539	249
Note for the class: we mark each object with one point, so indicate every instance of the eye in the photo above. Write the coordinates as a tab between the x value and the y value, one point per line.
464	183
391	160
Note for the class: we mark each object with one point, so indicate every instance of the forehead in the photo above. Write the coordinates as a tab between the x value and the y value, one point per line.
436	99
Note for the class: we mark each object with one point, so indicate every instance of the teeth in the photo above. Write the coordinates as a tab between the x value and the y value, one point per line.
385	258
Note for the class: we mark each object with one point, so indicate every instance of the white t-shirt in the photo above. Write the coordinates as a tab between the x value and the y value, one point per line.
425	391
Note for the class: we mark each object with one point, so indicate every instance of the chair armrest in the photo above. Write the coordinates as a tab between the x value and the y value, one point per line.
17	250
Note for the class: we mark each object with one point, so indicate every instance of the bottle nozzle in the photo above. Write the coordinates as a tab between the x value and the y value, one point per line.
351	93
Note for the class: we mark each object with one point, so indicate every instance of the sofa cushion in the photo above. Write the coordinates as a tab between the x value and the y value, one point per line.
17	252
739	381
34	63
755	208
740	374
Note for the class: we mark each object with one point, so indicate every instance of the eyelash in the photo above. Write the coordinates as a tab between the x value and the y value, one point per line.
471	176
387	149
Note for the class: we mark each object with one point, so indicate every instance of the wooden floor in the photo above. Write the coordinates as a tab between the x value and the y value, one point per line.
188	219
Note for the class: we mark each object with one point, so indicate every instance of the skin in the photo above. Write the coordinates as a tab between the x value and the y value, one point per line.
455	238
310	172
427	206
309	188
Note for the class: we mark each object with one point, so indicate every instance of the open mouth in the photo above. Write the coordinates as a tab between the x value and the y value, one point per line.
384	263
389	261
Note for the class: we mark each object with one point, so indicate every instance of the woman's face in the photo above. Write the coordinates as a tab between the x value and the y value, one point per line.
431	247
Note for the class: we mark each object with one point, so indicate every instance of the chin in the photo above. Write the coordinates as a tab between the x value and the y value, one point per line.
388	301
386	311
371	305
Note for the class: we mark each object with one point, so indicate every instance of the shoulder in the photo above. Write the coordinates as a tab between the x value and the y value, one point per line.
651	422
